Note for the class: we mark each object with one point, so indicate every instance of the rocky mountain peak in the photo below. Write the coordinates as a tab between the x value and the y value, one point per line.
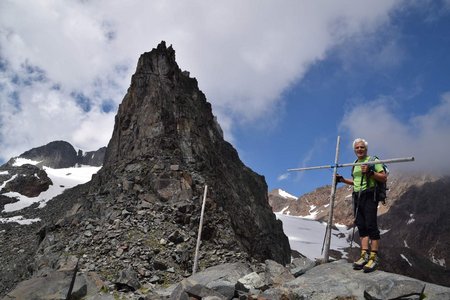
61	154
163	111
167	140
56	154
160	61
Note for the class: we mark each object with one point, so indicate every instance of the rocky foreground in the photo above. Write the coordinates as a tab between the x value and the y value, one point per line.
269	280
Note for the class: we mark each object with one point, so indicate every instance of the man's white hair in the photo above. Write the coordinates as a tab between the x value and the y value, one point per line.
358	140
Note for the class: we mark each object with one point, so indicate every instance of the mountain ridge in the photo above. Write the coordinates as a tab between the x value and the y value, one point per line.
414	222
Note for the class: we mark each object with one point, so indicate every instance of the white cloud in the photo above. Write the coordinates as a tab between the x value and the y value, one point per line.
426	136
243	53
283	176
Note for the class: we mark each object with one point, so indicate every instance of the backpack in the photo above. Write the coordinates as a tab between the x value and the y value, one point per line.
380	187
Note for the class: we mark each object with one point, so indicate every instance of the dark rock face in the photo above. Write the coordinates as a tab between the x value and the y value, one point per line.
57	154
418	240
61	154
166	123
28	180
92	158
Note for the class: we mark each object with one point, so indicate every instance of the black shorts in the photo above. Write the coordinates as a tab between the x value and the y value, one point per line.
365	209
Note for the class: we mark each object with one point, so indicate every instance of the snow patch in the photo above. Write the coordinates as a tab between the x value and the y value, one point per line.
404	257
19	219
437	261
286	194
312	214
411	219
22	161
406	244
306	236
62	179
383	231
5	182
4	172
283	210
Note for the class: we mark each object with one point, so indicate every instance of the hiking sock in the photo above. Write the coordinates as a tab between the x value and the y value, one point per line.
373	262
362	261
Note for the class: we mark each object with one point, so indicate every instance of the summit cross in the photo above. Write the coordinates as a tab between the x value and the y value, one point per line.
335	166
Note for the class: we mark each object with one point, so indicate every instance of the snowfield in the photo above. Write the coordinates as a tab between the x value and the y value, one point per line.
306	236
62	179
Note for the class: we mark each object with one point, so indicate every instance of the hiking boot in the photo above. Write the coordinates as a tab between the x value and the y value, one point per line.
362	261
372	264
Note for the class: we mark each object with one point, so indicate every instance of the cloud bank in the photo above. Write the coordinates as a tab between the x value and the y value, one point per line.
65	65
425	136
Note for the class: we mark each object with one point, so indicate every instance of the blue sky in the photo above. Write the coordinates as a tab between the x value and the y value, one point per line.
284	80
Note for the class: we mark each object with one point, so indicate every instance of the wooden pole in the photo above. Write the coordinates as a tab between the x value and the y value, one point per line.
197	247
332	197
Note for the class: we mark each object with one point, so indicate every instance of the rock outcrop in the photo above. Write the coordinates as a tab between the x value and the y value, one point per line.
417	241
57	154
136	222
268	280
27	180
91	158
167	138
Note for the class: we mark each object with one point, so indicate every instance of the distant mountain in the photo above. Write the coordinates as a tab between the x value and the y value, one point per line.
415	222
61	154
27	175
279	199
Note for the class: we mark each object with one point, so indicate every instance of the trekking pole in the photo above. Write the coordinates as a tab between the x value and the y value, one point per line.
72	281
325	236
197	247
332	197
357	208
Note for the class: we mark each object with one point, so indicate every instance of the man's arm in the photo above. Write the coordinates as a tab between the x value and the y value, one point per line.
340	178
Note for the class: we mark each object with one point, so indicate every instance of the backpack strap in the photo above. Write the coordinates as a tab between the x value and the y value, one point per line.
353	167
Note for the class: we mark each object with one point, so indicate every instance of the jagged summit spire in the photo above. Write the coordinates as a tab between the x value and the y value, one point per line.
166	139
159	61
160	111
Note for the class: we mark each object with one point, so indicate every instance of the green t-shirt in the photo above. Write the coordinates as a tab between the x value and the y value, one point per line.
357	176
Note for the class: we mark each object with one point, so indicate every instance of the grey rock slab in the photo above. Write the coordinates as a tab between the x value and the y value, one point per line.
221	278
190	288
250	281
338	279
53	286
230	272
276	274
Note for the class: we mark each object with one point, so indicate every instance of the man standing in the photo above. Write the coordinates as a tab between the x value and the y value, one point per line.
365	205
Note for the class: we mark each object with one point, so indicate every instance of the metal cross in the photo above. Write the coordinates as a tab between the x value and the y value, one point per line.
333	187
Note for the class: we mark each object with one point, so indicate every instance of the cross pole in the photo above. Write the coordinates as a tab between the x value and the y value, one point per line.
336	165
